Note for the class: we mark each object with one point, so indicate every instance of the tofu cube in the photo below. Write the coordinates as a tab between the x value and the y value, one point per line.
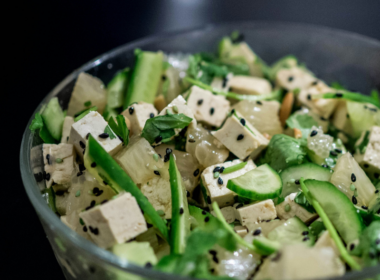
219	192
138	114
66	128
295	210
93	123
207	107
249	85
294	78
58	164
228	214
87	89
158	192
240	137
256	213
115	221
370	159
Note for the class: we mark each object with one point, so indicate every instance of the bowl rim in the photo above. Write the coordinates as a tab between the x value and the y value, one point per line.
104	256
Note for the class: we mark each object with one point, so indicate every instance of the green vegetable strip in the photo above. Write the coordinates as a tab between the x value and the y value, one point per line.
233	95
375	95
237	237
82	115
357	97
329	226
234	167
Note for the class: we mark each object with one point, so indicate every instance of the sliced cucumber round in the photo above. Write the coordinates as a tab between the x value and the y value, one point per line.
338	208
258	184
291	175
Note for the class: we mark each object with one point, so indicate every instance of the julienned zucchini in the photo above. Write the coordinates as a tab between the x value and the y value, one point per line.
338	208
180	226
106	170
145	77
53	118
259	184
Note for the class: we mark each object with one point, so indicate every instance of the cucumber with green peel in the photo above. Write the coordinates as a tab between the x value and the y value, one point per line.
291	232
338	208
265	246
363	116
291	175
180	226
116	89
145	78
53	118
259	184
107	172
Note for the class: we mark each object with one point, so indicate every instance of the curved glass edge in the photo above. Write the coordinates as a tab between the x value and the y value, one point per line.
54	222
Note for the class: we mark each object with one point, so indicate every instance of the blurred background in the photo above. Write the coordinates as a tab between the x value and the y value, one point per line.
49	39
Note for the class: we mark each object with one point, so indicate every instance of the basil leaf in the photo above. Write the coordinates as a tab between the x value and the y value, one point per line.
120	128
37	122
109	131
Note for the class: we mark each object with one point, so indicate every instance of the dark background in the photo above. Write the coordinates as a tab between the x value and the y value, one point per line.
46	40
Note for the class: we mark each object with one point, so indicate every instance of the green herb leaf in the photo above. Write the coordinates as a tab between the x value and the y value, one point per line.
109	131
363	145
37	123
303	122
82	115
120	128
164	126
87	103
301	200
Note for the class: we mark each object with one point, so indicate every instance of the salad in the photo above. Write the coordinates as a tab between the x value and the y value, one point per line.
217	166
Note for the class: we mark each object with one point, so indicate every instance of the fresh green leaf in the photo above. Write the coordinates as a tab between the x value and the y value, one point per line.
347	95
120	128
165	87
316	228
87	103
165	65
164	126
82	115
301	200
363	145
109	131
193	69
37	122
303	122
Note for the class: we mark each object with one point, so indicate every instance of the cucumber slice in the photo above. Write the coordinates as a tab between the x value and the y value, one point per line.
180	226
145	78
291	175
291	232
338	208
53	118
116	89
106	170
259	184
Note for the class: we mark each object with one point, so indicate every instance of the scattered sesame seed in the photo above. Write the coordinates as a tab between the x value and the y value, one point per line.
156	172
376	175
93	164
181	211
59	193
148	265
200	101
196	173
297	182
242	121
354	200
48	158
225	80
38	176
233	111
313	133
376	191
204	212
314	83
212	252
47	177
151	115
208	200
268	221
290	78
305	232
216	169
216	174
67	138
191	140
84	150
240	137
221	169
207	219
309	97
333	153
339	151
373	109
85	229
212	270
352	246
257	232
166	157
215	259
131	110
168	151
105	183
364	207
158	139
104	135
94	230
353	177
338	95
305	239
366	165
259	102
187	194
88	134
82	144
212	110
277	257
323	119
175	109
220	181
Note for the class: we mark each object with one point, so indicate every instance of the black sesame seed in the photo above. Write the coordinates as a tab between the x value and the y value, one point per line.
297	182
168	151
305	239
215	259
220	181
212	252
93	164
191	140
151	115
232	111
204	212
305	232
221	169
313	133
67	138
354	200
240	137
99	193
200	101
131	110
148	264
48	158
47	177
338	95
365	107
323	119
366	165
105	183
242	121
314	83
225	80
377	191
104	135
38	177
277	257
208	200
212	110
59	193
259	102
373	109
216	169
207	219
160	155
377	175
196	173
82	144
364	207
181	211
85	229
158	139
324	165
212	270
333	153
257	232
309	97
156	172
84	150
163	77
268	221
88	134
353	177
290	78
166	157
339	151
352	246
104	201
347	116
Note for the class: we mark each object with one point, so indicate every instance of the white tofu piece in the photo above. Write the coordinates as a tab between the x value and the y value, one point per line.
115	221
158	192
207	107
294	78
249	85
325	240
241	230
240	137
138	114
370	160
66	128
228	214
322	107
183	108
87	88
93	123
219	192
58	173
341	119
295	210
256	212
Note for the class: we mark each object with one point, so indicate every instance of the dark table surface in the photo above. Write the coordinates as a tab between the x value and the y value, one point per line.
46	40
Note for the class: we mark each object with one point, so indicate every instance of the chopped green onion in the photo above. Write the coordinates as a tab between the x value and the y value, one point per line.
216	175
287	208
58	160
155	157
168	112
234	167
356	193
175	109
77	193
352	96
82	115
161	212
90	192
81	221
352	187
87	103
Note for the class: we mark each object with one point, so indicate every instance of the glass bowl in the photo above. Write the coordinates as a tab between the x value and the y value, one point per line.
334	55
